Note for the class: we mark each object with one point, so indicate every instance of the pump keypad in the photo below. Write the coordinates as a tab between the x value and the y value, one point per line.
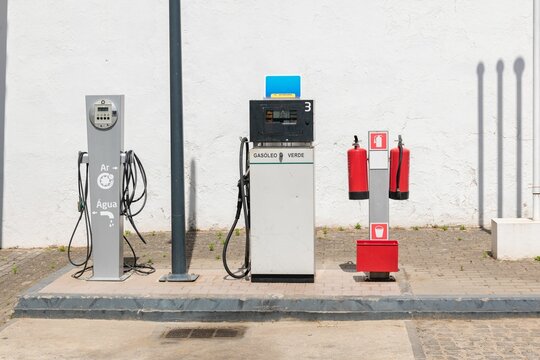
103	115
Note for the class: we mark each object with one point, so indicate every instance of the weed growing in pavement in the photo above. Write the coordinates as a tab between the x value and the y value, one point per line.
237	232
153	233
415	228
53	266
218	257
220	238
486	254
459	239
435	226
341	228
462	227
14	269
537	258
358	226
164	255
325	230
62	248
461	268
211	246
127	233
150	261
444	227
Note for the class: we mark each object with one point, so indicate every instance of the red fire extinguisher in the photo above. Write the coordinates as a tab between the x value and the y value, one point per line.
399	172
358	172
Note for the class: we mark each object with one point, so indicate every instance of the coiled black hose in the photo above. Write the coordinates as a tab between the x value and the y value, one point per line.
133	170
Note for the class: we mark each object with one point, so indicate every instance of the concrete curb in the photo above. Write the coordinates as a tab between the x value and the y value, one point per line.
263	309
34	304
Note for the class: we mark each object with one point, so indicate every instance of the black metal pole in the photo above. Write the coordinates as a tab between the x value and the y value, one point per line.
178	217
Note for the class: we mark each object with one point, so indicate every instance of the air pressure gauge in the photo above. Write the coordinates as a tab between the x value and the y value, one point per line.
103	114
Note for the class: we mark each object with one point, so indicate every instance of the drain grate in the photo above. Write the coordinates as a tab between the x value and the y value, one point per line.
178	333
228	333
204	333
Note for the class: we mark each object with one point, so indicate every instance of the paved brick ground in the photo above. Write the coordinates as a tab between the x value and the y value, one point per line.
214	283
456	262
20	268
432	261
480	339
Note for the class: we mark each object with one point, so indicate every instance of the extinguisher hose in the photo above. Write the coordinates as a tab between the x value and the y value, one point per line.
242	203
398	173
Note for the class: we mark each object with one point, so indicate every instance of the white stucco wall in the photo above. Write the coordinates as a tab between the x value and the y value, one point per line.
406	66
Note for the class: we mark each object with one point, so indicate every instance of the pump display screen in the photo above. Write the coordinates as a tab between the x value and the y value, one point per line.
103	108
282	114
287	117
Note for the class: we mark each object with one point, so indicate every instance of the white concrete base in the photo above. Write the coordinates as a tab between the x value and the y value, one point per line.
514	239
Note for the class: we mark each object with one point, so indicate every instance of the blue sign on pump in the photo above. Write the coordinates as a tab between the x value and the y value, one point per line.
287	86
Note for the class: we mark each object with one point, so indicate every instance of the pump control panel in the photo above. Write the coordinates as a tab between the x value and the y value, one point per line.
281	120
103	114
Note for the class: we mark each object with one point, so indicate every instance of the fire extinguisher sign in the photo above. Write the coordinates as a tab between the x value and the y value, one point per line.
378	140
378	231
378	150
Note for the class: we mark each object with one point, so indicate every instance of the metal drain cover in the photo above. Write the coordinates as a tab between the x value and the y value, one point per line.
205	333
178	333
228	332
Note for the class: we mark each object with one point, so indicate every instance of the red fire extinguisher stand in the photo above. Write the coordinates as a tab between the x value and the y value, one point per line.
388	178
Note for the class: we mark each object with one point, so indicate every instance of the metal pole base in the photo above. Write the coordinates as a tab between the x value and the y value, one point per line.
170	277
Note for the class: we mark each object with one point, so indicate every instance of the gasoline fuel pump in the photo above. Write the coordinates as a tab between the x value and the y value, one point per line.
112	185
276	193
388	178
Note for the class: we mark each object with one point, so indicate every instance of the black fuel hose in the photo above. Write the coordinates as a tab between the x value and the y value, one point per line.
242	203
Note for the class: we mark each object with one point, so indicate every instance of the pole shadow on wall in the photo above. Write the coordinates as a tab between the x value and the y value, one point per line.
480	69
192	213
500	162
519	67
